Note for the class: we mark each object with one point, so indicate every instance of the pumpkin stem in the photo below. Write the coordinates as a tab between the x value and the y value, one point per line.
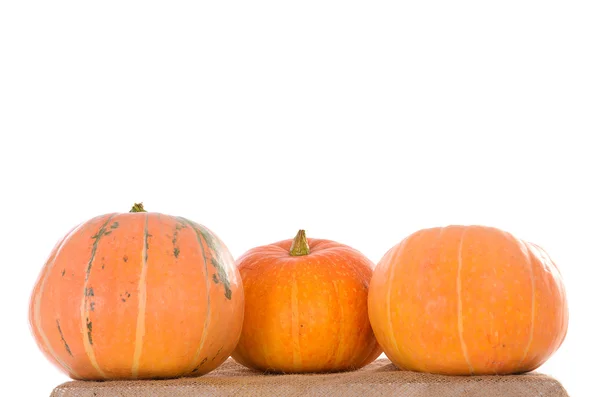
300	245
137	207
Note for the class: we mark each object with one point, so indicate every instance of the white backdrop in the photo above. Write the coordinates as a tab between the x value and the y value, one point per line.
359	121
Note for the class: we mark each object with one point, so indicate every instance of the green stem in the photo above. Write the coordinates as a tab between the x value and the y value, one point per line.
300	245
137	207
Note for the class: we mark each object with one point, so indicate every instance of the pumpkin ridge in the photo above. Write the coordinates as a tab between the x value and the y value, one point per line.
297	359
277	278
86	324
37	303
341	315
215	259
388	297
208	313
463	344
140	328
531	331
367	353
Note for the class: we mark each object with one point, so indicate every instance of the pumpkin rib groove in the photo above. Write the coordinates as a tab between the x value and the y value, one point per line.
463	344
37	304
86	325
552	270
531	331
367	353
140	327
439	259
297	359
388	297
268	362
208	308
336	351
362	325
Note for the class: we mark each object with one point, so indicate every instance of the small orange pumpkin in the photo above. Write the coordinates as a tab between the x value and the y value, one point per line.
137	295
465	300
306	307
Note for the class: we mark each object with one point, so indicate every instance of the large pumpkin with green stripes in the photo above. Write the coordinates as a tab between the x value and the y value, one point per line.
137	295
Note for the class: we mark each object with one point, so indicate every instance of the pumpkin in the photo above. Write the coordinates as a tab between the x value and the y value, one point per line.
462	300
137	295
305	307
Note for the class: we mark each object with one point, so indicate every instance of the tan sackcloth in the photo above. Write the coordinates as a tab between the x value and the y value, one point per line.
381	378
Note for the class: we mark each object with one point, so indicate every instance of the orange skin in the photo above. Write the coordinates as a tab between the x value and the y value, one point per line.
466	300
137	296
306	313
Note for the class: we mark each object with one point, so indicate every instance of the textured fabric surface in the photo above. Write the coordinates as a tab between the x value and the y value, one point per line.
380	378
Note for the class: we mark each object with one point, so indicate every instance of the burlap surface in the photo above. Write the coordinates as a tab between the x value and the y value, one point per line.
380	378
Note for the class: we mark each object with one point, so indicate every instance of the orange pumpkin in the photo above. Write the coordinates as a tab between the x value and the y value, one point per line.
306	307
137	295
465	300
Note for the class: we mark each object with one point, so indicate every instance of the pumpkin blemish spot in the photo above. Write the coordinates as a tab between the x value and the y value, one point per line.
124	296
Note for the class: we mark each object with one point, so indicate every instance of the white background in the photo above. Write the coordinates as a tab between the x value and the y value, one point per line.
359	121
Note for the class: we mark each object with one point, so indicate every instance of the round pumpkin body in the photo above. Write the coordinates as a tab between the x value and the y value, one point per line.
308	312
463	300
137	296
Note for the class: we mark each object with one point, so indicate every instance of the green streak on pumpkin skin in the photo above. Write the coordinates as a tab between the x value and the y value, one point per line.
62	338
114	225
146	237
174	241
222	276
216	355
88	292
88	323
96	237
205	359
215	279
216	260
